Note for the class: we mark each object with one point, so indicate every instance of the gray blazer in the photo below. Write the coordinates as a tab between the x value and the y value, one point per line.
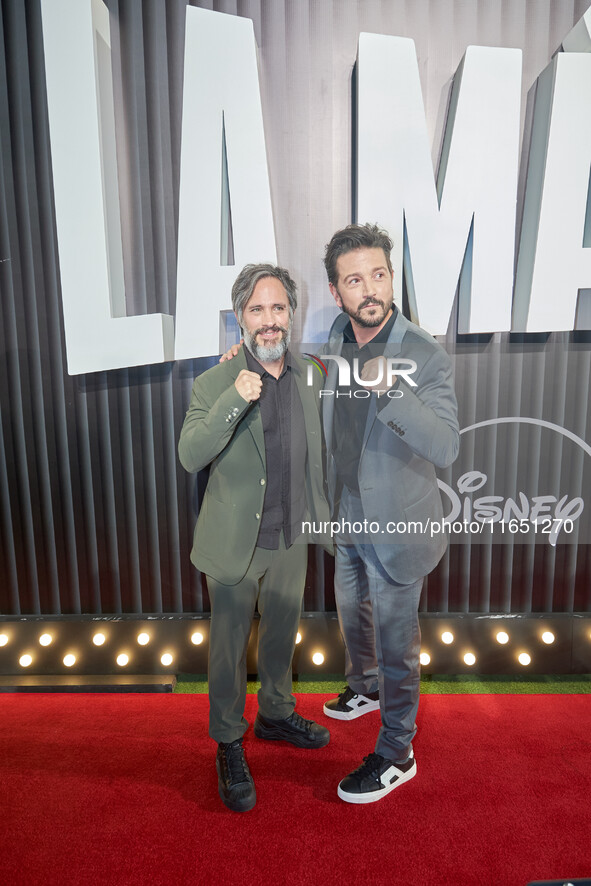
403	443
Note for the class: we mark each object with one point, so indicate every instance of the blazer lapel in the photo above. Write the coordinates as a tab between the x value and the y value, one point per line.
391	349
252	420
306	393
335	346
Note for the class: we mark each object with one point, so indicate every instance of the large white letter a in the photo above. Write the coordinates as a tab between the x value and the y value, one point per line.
222	118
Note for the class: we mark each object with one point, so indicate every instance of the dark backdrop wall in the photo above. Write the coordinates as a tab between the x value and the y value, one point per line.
96	513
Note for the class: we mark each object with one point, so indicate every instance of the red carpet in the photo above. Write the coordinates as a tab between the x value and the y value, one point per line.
118	790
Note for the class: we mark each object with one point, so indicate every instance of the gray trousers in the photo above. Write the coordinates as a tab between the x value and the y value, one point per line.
379	621
276	580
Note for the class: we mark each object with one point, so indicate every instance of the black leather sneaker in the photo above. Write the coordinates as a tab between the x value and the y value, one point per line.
235	783
375	778
349	705
294	729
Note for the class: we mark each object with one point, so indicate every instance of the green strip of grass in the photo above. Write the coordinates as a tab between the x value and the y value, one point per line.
506	683
430	685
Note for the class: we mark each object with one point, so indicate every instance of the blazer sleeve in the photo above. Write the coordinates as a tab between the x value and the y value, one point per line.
426	417
210	423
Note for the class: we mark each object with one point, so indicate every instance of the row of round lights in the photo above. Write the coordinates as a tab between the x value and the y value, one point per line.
99	639
123	659
502	637
197	638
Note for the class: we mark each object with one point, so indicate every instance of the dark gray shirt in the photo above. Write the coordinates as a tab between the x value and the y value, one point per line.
350	409
282	415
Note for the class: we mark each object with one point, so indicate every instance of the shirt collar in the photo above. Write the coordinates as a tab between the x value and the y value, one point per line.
254	365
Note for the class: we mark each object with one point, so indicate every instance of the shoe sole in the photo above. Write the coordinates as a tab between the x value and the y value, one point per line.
374	796
244	806
354	714
272	735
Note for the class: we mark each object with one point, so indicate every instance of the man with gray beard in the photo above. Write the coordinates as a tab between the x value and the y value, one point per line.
255	422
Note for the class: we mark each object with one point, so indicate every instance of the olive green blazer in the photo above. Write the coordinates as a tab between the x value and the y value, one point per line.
224	431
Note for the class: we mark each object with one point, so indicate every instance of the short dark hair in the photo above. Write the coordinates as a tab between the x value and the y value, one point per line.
248	278
355	237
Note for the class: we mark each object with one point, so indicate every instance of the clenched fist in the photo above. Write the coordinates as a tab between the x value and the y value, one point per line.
249	385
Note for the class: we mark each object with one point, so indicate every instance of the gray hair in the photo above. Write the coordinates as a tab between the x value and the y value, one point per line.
247	279
355	237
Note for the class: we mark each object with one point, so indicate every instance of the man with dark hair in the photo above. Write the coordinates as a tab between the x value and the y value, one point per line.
255	422
351	238
384	436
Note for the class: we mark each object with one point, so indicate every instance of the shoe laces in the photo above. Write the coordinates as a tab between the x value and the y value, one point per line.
371	767
299	721
346	695
235	761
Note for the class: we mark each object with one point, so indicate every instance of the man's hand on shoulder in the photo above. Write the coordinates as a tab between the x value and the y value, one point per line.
248	384
232	352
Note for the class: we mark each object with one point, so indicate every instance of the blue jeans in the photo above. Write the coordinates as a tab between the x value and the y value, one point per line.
379	621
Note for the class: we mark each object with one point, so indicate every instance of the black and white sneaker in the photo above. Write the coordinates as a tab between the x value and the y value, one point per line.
375	778
349	705
235	783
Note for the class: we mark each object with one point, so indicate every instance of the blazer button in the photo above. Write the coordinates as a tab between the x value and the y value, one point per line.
262	481
391	424
258	516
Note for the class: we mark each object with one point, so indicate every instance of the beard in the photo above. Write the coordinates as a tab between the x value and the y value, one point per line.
267	353
382	309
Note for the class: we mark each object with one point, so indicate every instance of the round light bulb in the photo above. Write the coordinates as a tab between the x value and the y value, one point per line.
524	658
166	659
318	658
25	660
69	660
447	637
470	658
424	658
548	637
3	639
298	638
197	638
143	639
502	637
98	639
122	659
45	639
